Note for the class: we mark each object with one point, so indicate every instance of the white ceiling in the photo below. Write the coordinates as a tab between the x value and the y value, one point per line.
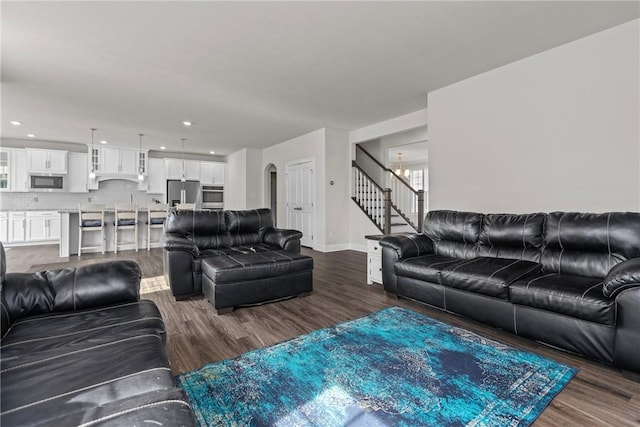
252	74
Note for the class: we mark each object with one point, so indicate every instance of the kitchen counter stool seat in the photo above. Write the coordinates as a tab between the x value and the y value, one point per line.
157	214
126	218
91	218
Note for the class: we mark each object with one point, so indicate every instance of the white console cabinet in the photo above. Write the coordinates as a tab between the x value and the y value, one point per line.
374	260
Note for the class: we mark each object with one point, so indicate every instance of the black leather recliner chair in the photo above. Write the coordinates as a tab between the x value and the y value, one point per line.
78	346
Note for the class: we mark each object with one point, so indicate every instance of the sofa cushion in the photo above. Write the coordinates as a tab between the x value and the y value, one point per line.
248	227
83	380
588	244
454	234
426	267
206	229
488	276
512	236
574	296
253	263
38	337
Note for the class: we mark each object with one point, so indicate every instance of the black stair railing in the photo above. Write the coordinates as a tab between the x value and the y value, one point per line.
374	200
408	202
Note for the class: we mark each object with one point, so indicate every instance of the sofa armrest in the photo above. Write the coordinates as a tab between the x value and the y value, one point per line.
285	239
408	246
174	242
96	285
625	275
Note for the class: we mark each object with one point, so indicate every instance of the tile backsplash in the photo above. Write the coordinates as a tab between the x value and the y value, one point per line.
110	192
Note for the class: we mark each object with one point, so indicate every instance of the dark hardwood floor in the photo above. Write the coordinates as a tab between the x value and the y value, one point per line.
598	396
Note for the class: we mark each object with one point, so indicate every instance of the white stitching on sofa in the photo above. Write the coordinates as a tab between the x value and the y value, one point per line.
562	296
19	408
538	278
463	264
56	315
79	332
585	292
501	268
515	322
560	243
117	414
78	351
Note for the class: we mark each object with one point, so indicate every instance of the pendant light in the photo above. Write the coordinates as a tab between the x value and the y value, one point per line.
140	167
182	177
92	174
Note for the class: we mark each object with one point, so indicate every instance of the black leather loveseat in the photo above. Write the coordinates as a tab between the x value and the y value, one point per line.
79	348
234	258
571	280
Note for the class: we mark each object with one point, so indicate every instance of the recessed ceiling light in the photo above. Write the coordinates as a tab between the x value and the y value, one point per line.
15	122
31	135
186	123
163	148
212	152
103	142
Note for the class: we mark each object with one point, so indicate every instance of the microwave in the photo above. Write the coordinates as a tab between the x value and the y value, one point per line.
46	182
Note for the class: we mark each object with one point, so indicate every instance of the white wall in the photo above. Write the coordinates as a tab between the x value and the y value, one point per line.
244	180
555	131
235	192
309	146
254	177
337	195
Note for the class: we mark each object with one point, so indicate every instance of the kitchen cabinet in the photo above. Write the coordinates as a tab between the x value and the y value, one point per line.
13	170
42	226
17	227
5	170
173	169
156	183
19	176
78	176
212	173
118	161
4	226
49	161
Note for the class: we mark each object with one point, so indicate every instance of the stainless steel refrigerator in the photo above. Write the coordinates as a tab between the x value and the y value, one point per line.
183	192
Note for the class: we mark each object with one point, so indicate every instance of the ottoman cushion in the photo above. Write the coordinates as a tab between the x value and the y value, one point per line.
252	263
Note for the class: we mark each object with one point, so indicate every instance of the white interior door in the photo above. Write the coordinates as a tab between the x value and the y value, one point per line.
300	197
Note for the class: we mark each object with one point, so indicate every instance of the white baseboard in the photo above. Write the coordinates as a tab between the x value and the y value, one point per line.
340	247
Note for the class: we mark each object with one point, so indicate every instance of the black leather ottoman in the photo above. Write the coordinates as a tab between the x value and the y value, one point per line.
255	275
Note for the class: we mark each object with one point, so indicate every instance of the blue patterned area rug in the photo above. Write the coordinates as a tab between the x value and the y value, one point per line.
391	368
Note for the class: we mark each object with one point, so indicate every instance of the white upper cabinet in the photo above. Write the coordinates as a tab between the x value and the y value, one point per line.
173	169
118	161
155	179
5	170
19	176
49	161
212	173
78	174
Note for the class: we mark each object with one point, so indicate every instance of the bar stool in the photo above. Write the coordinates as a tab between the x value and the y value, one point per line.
186	206
157	214
126	218
90	218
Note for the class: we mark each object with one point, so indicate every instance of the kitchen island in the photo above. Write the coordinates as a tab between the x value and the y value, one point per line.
69	224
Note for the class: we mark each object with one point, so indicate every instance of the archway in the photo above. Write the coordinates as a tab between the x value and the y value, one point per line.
271	190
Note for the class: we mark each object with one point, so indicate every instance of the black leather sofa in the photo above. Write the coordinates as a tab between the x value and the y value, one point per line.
80	348
570	280
234	258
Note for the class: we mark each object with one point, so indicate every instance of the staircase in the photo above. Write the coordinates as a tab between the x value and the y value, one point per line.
397	208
